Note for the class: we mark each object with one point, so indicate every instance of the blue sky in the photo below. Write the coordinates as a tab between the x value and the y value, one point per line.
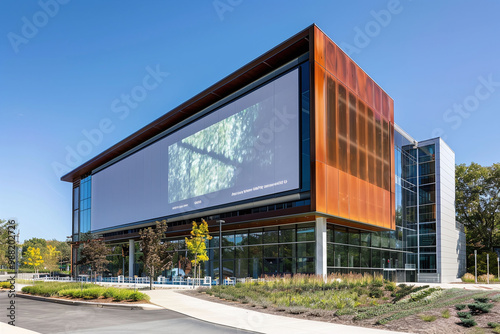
67	66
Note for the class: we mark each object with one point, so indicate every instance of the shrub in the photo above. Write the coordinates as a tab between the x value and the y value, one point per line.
362	291
464	315
468	322
390	286
378	281
136	296
460	307
297	310
5	285
48	289
477	308
92	293
427	317
493	324
405	290
419	295
445	314
321	313
468	278
120	294
481	300
85	291
108	293
484	278
77	293
376	293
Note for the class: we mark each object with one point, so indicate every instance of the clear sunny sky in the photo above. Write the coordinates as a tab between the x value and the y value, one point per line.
67	67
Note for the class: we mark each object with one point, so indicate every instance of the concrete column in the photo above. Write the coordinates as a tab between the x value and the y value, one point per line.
320	232
131	255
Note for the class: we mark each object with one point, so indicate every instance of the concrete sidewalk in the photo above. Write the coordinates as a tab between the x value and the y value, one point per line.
466	286
247	319
8	329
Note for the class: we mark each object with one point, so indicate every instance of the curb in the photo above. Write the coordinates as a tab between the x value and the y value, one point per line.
89	304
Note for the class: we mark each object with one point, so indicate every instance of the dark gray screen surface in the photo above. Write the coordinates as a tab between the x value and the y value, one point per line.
243	150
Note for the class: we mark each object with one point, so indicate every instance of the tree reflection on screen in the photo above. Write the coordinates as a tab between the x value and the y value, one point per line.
212	159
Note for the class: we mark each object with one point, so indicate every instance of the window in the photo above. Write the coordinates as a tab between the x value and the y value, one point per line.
353	237
270	235
255	238
287	234
426	153
241	239
76	211
428	261
305	234
85	204
227	239
341	235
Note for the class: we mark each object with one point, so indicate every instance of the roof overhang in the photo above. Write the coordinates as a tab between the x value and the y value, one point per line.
266	63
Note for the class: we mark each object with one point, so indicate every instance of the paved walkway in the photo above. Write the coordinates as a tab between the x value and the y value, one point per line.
8	329
466	286
247	319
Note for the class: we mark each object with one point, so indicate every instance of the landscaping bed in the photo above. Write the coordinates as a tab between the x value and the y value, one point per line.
85	292
361	301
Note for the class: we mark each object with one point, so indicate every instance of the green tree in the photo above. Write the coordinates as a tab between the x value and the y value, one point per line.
156	254
94	253
196	244
52	258
481	263
6	229
34	243
64	251
478	204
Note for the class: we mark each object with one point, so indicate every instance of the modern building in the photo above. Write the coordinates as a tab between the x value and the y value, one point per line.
297	158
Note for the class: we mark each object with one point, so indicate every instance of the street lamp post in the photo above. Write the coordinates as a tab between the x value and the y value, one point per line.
17	254
220	250
475	266
488	268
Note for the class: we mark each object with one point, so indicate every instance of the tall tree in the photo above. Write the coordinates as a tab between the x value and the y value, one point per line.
64	249
196	244
156	254
94	253
6	229
34	243
478	203
52	258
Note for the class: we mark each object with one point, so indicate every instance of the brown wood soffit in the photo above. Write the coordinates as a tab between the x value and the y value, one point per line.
266	63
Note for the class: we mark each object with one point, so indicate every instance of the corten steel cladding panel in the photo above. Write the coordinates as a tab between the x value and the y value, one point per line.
354	145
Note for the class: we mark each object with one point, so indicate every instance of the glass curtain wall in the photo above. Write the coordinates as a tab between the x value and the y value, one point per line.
427	208
357	251
288	249
418	181
406	200
85	192
76	213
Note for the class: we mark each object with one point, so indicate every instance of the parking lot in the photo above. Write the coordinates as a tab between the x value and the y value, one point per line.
47	317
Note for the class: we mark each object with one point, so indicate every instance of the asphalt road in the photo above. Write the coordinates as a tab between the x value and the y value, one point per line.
47	317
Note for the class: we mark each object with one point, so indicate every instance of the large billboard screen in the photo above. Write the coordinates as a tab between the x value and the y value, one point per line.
244	150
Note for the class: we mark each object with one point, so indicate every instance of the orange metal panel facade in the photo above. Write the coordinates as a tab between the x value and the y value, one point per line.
354	144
